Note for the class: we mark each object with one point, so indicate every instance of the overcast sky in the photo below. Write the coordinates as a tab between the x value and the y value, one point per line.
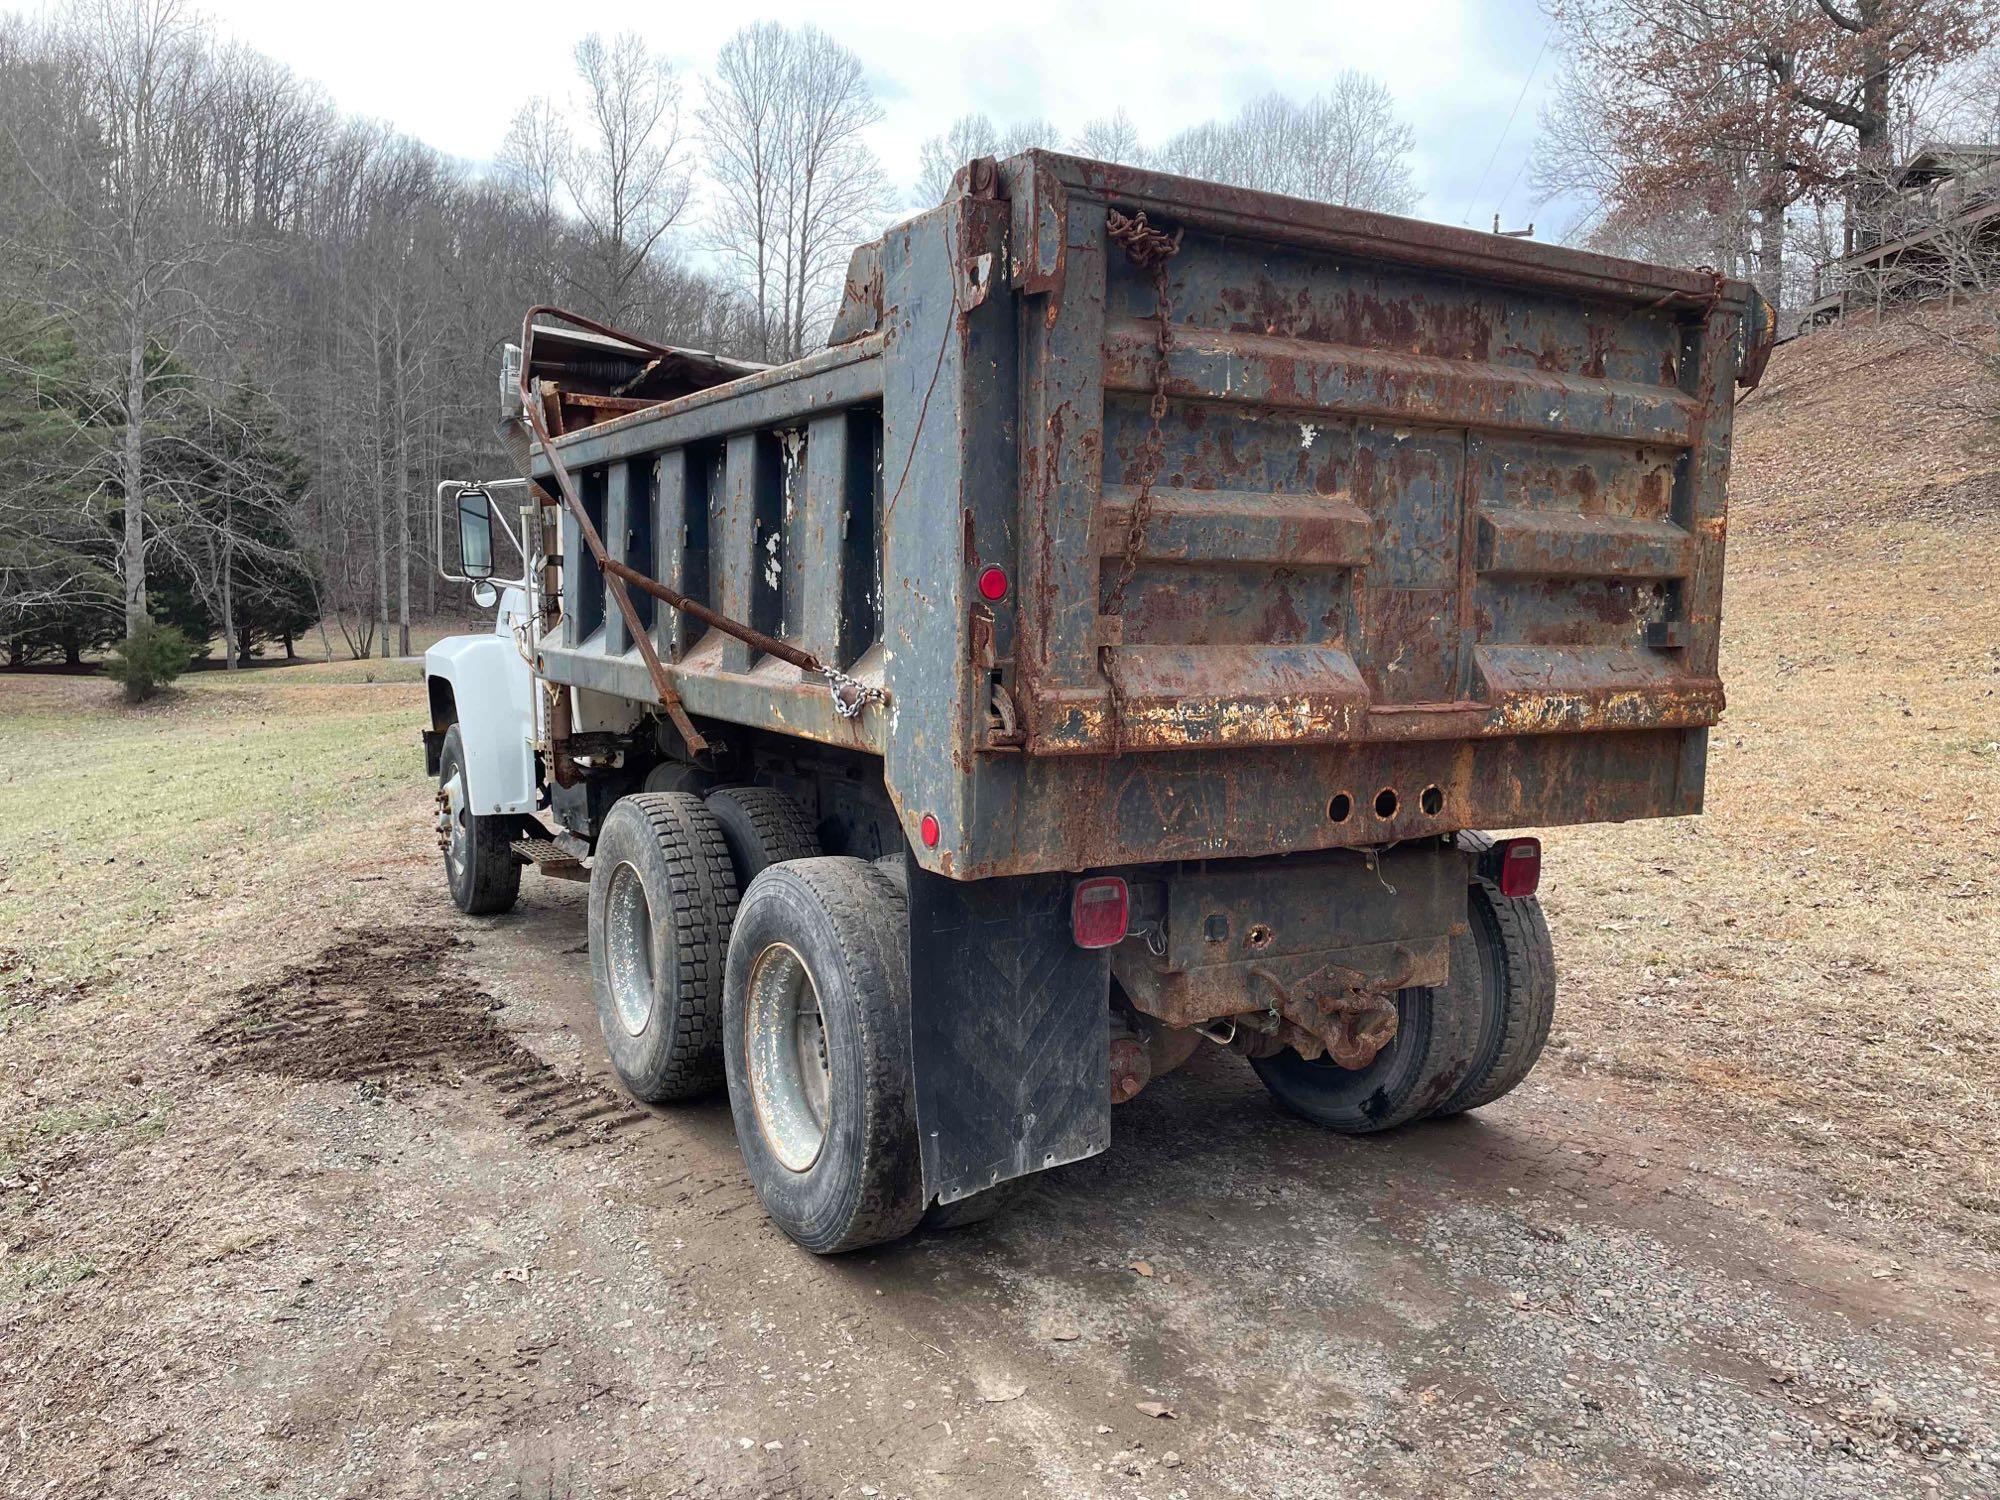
453	74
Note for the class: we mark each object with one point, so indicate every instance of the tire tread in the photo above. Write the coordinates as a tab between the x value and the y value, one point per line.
493	869
764	827
1527	967
868	917
701	882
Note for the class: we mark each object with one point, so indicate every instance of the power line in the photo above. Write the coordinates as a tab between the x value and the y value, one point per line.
1514	181
1526	84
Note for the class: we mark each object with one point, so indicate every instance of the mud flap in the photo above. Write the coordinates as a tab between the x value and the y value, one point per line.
1010	1031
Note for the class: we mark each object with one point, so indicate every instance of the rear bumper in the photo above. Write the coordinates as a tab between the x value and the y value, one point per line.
1026	815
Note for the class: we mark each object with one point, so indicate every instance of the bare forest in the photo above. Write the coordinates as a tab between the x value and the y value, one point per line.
243	336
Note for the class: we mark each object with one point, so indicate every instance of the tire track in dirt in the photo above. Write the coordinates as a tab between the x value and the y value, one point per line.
394	1006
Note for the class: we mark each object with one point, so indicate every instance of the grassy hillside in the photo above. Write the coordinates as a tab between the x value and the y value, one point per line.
1817	958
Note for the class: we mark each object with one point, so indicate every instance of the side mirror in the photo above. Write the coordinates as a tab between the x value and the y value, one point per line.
475	533
484	594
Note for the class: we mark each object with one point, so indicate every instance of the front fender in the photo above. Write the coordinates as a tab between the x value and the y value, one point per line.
492	694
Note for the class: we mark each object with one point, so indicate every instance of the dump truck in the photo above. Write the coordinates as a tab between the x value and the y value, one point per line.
1107	647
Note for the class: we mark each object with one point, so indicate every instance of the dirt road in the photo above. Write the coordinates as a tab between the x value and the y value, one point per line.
423	1247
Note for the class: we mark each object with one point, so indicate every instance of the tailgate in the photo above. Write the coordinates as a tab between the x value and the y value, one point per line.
1413	483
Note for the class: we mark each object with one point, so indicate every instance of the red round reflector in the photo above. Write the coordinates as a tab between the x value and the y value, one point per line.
927	830
993	584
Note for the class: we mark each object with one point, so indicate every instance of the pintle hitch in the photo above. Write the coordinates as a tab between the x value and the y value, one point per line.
1338	1011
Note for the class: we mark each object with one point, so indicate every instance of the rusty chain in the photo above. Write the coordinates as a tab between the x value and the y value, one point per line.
1149	248
851	694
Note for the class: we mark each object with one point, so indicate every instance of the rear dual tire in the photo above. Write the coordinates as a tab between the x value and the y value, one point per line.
816	1027
796	995
1457	1046
666	876
1514	960
763	827
1402	1082
662	898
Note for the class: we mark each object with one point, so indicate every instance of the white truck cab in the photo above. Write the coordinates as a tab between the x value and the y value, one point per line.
481	742
484	683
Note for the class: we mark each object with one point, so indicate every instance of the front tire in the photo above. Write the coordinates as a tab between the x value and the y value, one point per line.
662	896
480	865
816	1031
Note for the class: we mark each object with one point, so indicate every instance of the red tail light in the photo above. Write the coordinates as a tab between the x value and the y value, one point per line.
1520	866
1099	911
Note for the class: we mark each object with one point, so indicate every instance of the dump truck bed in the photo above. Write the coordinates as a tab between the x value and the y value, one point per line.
1435	537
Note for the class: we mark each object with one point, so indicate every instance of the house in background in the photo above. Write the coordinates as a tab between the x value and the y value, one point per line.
1940	235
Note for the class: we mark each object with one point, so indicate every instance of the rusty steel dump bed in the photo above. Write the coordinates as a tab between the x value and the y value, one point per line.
1435	539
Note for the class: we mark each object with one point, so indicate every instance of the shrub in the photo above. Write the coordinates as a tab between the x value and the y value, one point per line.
148	659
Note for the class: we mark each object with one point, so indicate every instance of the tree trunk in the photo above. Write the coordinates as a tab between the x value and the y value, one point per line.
133	555
381	545
424	530
1873	147
402	505
230	649
1771	239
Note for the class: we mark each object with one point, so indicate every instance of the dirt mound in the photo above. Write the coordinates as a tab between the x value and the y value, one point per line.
1875	423
392	1005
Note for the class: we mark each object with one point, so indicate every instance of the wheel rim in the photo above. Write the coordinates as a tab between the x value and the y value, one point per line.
784	1040
629	948
457	830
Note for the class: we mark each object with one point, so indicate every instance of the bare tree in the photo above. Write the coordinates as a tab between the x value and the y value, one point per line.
191	211
1743	108
626	177
531	164
745	130
1111	137
1345	146
534	155
228	506
129	85
795	181
973	136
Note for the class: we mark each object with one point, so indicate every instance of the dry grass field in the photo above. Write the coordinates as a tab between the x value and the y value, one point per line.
1816	961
